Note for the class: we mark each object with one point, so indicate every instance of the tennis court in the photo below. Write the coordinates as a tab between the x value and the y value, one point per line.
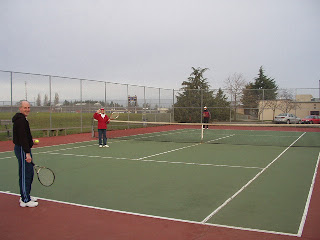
251	179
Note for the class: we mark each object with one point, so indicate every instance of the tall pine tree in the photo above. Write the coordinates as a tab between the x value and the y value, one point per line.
221	111
195	93
263	88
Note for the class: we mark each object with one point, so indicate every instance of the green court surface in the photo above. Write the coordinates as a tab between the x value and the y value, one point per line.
260	185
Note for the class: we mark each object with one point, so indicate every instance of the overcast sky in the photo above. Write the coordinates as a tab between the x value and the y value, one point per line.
155	43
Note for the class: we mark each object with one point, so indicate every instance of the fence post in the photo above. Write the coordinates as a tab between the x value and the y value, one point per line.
128	126
173	104
159	101
201	107
11	101
230	117
50	102
144	113
105	94
263	104
81	105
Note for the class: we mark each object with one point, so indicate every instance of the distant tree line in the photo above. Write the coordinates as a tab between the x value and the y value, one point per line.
46	100
196	94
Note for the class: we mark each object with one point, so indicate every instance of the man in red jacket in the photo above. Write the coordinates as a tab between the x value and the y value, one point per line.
206	117
103	120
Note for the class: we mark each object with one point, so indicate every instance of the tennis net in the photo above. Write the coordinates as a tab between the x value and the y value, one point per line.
297	135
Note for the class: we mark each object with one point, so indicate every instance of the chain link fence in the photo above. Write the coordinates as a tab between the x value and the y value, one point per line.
70	102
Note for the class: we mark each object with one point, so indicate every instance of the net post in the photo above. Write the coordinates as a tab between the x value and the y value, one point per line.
201	133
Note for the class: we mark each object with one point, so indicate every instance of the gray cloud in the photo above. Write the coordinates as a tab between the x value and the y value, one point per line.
156	43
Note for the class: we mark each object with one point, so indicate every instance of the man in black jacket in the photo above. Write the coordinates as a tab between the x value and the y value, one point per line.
23	142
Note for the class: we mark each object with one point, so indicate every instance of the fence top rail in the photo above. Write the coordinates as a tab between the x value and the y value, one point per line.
76	78
133	85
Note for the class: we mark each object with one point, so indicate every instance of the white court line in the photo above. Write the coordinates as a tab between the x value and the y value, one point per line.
52	146
149	135
64	149
173	150
154	161
55	150
177	149
248	183
143	159
305	213
7	157
156	217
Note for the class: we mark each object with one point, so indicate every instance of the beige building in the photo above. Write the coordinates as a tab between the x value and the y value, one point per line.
303	106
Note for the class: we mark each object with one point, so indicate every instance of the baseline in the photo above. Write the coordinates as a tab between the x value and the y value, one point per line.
158	217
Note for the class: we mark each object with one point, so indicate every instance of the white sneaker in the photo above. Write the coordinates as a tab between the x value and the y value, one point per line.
33	199
100	145
106	146
29	204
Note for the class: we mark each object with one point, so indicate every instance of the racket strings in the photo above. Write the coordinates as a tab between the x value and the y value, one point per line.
46	176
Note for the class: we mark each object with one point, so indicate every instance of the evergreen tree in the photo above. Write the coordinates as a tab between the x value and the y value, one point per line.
266	83
38	102
196	80
263	88
46	100
221	112
196	94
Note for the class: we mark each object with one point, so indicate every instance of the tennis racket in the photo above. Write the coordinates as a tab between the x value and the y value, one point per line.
114	115
45	175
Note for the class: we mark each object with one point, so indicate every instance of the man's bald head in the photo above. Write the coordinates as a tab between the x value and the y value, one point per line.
24	107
